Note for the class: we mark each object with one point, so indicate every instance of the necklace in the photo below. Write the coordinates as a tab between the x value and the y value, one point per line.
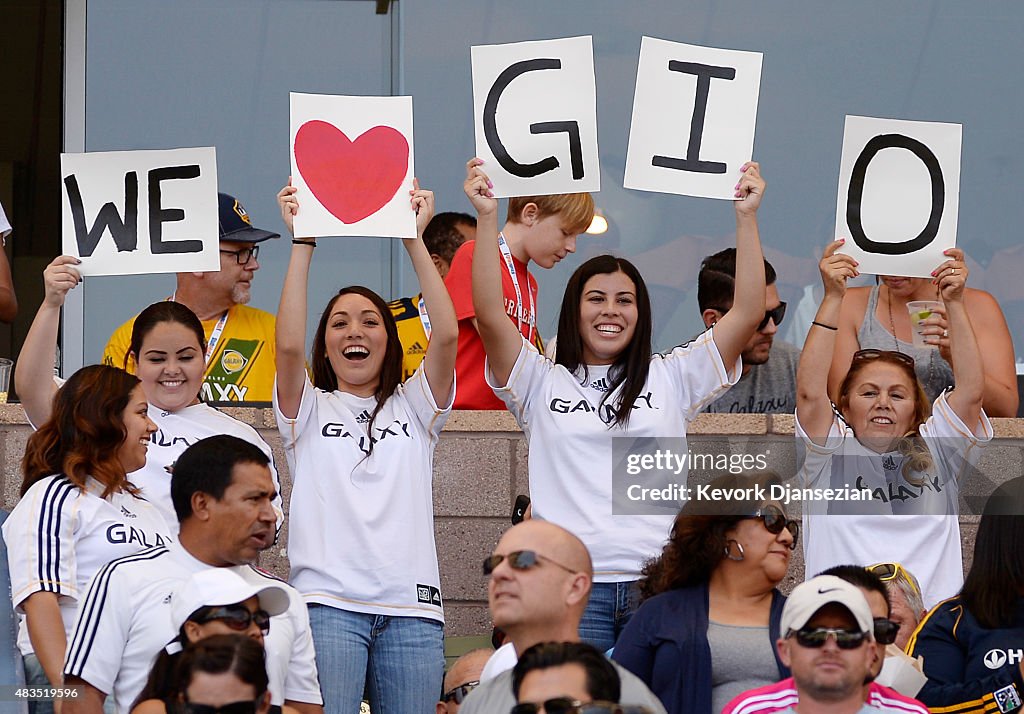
896	341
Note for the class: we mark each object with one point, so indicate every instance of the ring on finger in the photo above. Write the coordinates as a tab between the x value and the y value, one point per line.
945	333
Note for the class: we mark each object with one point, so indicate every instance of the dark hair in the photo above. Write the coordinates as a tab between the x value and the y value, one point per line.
391	370
239	655
864	579
208	467
995	581
697	543
84	432
632	365
442	237
160	312
716	281
603	683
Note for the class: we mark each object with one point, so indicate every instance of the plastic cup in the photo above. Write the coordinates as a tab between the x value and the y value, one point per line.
921	310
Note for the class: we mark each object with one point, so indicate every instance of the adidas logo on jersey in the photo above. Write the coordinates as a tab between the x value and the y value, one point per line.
889	463
167	599
416	349
428	594
127	513
600	385
363	418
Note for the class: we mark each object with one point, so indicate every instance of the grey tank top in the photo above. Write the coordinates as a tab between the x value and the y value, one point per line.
934	372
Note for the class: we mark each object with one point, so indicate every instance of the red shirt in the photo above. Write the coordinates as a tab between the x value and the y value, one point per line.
471	390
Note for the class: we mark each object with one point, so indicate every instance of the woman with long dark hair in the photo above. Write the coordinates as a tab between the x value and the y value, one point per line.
78	510
711	595
360	444
971	643
168	355
605	383
884	438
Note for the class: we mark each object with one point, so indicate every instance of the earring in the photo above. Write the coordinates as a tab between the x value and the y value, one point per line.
728	550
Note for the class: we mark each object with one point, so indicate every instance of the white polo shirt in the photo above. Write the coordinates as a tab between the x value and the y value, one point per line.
176	431
570	435
59	535
361	535
125	620
904	522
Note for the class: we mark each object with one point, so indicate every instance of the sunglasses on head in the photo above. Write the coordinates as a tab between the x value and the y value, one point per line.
872	354
775	315
775	520
244	707
845	639
888	572
521	560
565	705
885	630
236	617
457	694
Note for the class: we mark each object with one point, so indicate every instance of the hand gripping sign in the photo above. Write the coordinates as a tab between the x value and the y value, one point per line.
535	112
694	113
139	212
899	188
352	161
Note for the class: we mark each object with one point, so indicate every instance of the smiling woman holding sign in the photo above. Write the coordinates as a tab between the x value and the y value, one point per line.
606	383
881	439
360	444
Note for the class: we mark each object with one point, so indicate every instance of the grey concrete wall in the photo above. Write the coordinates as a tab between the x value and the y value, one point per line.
481	465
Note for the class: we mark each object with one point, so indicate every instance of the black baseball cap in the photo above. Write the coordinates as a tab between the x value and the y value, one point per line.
235	223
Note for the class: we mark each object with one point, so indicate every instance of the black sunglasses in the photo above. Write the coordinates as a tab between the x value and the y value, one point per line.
845	639
237	617
244	707
886	630
243	255
565	705
775	315
871	354
457	694
775	520
521	560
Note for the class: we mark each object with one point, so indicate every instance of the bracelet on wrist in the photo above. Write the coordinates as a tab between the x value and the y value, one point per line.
822	324
296	241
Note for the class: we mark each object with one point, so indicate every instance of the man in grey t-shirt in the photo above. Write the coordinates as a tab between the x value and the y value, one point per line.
540	578
768	382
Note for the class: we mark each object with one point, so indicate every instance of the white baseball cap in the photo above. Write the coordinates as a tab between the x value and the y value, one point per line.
222	586
810	596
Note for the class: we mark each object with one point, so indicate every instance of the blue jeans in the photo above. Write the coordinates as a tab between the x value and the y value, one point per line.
608	610
399	660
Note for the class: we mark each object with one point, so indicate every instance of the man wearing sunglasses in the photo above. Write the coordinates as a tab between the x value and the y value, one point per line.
768	381
461	679
222	493
539	579
240	339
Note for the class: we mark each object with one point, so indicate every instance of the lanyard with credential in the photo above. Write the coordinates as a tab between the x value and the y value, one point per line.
424	317
510	265
211	344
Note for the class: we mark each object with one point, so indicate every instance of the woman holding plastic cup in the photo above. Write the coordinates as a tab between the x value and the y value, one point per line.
907	315
883	437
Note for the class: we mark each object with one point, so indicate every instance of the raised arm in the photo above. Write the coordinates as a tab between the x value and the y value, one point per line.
439	361
736	327
33	375
502	340
968	368
847	343
813	406
290	332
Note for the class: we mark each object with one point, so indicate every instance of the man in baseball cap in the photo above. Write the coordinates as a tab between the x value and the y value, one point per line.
240	357
827	644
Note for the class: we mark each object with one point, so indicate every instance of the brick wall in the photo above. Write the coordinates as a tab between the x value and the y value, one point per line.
481	465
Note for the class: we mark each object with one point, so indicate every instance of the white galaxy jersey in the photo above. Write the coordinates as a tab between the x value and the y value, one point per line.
570	440
361	536
176	431
125	620
59	535
885	529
